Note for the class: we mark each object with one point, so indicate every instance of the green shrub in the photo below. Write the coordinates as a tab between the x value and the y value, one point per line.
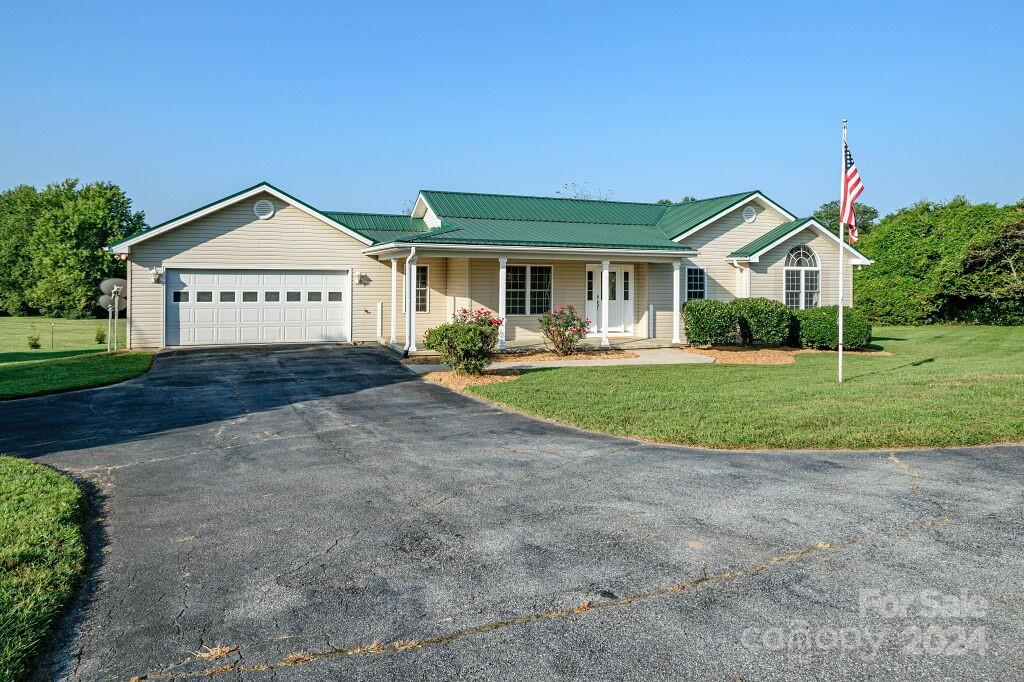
467	342
762	320
819	328
101	335
33	341
709	322
948	262
564	328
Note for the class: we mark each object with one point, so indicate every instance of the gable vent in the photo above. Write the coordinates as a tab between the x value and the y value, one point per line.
263	209
749	214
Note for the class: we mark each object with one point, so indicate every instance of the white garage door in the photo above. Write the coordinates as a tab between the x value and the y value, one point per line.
257	306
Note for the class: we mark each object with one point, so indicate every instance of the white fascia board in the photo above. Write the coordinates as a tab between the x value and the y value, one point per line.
401	246
858	259
258	189
740	204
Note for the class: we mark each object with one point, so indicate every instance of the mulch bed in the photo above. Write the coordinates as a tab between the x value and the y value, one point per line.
460	382
744	355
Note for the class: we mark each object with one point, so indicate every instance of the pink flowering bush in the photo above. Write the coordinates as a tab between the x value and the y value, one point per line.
564	328
467	342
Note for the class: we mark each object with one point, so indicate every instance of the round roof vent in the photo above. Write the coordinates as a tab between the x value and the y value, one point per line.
263	209
749	213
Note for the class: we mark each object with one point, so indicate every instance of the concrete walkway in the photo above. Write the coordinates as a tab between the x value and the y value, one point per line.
653	356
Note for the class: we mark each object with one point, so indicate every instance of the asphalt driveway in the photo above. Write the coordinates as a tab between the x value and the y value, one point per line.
322	513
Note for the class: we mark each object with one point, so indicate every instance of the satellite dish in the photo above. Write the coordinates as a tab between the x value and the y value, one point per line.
107	285
105	302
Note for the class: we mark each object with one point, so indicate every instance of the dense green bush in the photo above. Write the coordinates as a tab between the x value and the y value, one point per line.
762	320
951	262
709	322
819	328
467	342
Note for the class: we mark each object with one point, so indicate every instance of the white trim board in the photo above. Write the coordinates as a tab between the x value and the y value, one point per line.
234	199
740	204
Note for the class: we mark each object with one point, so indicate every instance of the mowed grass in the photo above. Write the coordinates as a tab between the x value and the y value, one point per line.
73	361
941	386
42	556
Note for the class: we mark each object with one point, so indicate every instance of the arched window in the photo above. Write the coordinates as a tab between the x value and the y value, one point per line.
802	278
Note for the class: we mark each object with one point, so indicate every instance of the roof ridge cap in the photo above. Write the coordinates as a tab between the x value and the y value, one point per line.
537	196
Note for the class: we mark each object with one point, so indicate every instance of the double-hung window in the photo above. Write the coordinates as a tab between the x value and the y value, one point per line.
696	283
527	289
422	288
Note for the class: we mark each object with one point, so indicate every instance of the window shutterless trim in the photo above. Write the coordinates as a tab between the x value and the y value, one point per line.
527	288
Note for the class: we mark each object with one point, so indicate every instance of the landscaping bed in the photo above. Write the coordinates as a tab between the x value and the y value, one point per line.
746	355
42	557
460	382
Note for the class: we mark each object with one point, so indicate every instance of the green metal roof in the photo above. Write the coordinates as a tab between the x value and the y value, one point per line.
769	238
680	218
379	227
546	233
543	209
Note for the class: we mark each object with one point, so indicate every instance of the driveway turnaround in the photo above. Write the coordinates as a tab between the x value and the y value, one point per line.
321	512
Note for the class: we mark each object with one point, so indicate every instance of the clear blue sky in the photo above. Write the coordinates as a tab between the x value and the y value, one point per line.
356	106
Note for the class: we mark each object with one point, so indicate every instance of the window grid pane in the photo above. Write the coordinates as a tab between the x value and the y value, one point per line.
590	285
249	297
625	285
204	297
314	296
334	296
272	296
422	281
227	297
613	293
695	283
540	290
515	290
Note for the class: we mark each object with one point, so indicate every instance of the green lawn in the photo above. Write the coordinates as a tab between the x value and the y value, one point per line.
941	386
42	555
73	361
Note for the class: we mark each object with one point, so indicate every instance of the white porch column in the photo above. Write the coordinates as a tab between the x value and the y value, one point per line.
604	304
394	301
676	266
411	280
502	262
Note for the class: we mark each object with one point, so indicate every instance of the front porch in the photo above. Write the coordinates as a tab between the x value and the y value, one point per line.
631	302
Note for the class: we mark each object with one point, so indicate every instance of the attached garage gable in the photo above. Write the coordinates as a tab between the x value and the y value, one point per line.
235	253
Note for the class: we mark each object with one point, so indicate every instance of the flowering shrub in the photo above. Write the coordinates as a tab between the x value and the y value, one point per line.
564	328
467	342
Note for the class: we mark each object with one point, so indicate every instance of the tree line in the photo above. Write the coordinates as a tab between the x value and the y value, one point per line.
51	246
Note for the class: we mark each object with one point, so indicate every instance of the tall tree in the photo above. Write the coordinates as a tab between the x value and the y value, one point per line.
70	229
828	215
668	202
19	207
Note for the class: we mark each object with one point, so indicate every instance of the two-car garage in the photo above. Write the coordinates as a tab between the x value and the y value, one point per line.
206	306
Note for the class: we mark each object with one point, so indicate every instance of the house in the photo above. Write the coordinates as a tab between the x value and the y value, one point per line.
261	266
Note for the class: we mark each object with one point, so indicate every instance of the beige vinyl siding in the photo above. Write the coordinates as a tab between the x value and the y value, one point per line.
234	238
659	294
639	300
767	278
722	237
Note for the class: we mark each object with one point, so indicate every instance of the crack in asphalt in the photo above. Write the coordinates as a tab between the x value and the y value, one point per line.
375	648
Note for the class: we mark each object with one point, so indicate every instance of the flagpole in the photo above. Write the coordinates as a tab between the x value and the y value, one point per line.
842	239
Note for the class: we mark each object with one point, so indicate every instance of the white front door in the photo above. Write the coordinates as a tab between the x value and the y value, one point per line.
620	298
257	306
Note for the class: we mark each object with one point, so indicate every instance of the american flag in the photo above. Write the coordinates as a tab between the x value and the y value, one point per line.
852	188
